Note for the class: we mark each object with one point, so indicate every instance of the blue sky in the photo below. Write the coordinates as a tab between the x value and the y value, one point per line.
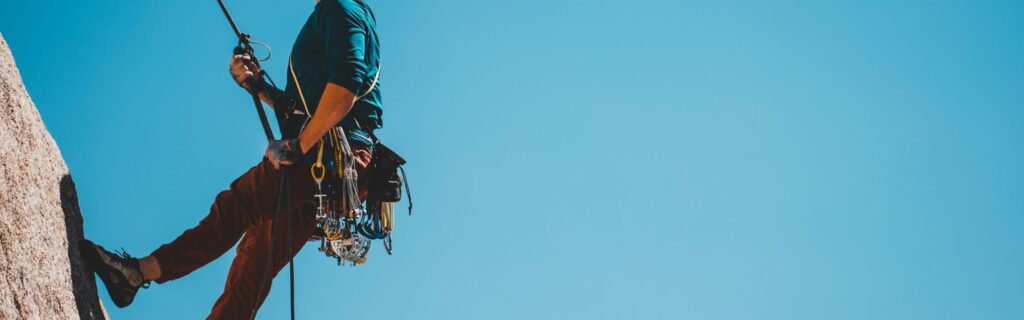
586	159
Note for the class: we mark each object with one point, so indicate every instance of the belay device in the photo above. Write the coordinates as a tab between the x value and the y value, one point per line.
345	227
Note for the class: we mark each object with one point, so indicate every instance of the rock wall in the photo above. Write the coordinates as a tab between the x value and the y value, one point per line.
41	276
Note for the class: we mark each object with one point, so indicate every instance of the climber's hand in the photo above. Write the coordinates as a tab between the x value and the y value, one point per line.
243	70
283	152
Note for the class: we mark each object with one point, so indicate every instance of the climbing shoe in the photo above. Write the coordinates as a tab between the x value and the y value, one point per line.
119	272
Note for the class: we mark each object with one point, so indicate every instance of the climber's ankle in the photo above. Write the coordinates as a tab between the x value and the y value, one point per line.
150	268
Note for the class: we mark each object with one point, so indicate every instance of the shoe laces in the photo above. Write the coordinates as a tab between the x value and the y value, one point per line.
125	260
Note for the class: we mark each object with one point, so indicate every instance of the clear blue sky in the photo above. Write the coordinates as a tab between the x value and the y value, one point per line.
586	159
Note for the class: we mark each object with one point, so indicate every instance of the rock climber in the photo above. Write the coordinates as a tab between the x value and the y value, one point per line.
335	58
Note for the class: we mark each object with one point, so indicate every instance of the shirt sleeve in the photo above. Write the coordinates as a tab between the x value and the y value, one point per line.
345	39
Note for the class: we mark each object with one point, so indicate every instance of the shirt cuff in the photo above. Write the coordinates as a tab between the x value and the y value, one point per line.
347	82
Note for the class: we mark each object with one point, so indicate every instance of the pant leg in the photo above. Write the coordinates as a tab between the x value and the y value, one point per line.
250	200
241	295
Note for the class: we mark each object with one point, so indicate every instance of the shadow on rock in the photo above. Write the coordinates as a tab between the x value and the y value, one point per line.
82	280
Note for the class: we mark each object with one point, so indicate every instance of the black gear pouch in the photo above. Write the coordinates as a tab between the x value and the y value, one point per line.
385	182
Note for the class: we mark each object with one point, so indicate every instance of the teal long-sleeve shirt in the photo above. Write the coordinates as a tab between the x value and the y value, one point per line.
338	44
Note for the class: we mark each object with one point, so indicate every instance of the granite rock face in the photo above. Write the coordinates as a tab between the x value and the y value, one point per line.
41	272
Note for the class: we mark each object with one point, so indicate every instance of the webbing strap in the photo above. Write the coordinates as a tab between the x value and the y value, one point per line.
373	84
295	78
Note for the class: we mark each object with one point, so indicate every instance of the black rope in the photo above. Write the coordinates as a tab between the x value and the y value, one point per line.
270	253
291	254
257	85
408	192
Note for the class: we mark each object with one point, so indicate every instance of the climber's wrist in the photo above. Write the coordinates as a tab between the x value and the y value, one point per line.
286	151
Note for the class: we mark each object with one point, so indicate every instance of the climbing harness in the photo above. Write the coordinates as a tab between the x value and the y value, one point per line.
344	226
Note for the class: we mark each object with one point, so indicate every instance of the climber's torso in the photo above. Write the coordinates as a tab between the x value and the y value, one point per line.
339	44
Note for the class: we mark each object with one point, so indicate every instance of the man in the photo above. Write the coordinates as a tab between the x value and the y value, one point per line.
335	58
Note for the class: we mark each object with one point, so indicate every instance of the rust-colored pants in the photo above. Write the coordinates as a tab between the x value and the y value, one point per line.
248	209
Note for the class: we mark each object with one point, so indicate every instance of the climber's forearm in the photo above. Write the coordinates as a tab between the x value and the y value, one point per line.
274	95
334	105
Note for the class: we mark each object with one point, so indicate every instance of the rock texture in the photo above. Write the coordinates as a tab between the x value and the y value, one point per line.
41	274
